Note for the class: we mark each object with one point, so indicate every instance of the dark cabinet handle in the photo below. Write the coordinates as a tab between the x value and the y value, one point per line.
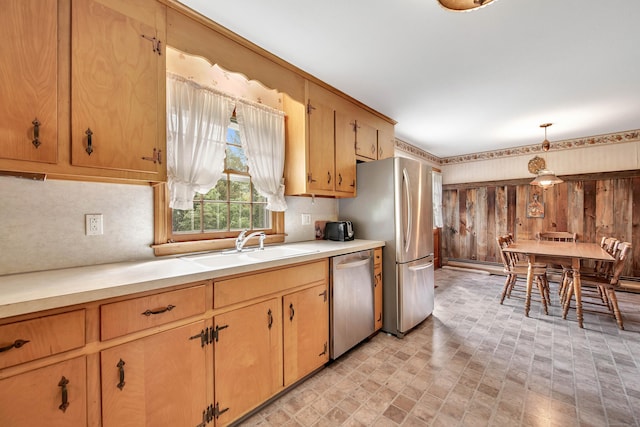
159	310
328	177
353	183
270	318
310	178
36	133
339	179
16	344
380	318
89	148
373	149
65	394
292	312
323	294
120	366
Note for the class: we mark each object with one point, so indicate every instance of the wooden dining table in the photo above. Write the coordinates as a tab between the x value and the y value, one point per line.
572	253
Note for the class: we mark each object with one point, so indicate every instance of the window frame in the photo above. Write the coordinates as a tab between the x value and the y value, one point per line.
165	244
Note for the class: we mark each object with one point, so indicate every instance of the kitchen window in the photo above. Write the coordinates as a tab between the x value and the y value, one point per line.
218	216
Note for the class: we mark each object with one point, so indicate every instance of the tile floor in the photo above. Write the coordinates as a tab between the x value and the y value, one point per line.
475	362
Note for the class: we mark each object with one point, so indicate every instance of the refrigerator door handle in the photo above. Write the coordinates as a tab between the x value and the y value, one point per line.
408	225
352	264
421	267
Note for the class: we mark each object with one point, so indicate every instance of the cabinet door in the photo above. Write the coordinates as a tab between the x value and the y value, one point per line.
155	381
345	155
306	332
366	140
52	396
386	142
117	84
248	358
320	174
29	70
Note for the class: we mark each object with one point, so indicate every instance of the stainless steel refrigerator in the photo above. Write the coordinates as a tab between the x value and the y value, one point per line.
393	203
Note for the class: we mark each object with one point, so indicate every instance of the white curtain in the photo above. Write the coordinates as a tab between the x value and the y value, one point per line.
262	137
197	121
437	199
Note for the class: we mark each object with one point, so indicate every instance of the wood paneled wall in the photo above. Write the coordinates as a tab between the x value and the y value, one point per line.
592	206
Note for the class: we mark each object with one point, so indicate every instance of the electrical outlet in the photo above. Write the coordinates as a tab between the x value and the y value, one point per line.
93	224
306	219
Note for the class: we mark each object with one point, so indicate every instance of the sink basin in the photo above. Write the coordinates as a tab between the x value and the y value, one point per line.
247	256
277	252
215	260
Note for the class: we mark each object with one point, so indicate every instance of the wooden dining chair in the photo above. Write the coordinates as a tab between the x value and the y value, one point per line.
565	265
606	284
515	268
600	268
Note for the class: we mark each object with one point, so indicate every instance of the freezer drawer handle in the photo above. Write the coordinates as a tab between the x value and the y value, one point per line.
421	267
352	264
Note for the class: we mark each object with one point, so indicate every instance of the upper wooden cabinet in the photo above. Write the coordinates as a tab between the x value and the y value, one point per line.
117	75
374	138
29	89
320	153
70	67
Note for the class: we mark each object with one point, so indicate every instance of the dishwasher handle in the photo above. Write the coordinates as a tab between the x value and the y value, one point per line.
353	264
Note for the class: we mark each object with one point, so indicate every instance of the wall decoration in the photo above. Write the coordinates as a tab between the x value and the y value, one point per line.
535	207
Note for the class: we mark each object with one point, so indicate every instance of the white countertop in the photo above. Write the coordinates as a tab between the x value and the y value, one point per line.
43	290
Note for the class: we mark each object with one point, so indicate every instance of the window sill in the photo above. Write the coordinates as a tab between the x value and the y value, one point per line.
177	248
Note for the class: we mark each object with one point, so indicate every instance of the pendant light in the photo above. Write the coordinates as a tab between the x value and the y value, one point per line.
463	5
546	178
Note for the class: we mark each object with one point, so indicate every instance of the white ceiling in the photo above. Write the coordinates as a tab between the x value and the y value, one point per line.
460	83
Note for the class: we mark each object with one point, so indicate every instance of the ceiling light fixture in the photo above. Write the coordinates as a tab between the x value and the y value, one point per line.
546	178
463	5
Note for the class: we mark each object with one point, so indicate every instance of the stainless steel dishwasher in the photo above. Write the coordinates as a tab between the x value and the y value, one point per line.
352	314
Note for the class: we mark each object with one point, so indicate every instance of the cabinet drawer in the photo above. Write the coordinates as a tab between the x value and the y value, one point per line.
41	337
244	288
125	317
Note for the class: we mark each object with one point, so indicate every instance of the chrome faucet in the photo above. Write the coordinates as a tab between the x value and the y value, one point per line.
241	240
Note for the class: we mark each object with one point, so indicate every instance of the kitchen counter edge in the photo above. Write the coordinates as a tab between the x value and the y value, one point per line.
44	290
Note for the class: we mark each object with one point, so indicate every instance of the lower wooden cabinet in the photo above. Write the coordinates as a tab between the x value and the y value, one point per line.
159	380
248	358
306	332
54	396
202	354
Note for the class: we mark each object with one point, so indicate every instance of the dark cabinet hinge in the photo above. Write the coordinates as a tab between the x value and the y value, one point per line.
207	416
156	157
310	107
324	351
156	44
217	411
215	332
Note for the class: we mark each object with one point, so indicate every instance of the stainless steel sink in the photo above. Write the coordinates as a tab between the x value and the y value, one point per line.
248	256
278	252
